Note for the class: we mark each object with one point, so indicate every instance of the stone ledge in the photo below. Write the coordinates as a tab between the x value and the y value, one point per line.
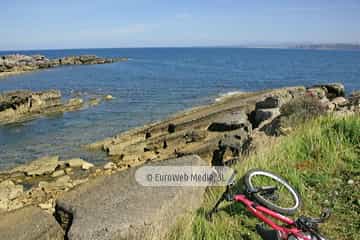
30	223
117	207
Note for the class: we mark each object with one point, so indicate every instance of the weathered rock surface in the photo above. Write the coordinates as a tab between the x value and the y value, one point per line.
25	105
110	165
78	162
8	192
117	207
271	102
332	90
230	147
18	63
262	115
188	132
41	166
339	101
319	92
30	223
19	103
230	122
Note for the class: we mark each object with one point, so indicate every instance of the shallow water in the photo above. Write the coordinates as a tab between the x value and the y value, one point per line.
153	84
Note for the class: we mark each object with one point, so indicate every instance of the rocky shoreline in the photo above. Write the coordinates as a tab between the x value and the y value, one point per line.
24	105
17	63
220	133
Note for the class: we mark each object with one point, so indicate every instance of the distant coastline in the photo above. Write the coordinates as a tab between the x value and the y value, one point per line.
340	46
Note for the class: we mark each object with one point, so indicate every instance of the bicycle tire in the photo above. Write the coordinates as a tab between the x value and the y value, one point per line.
263	201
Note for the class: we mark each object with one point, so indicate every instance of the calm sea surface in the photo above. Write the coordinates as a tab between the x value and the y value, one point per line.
156	82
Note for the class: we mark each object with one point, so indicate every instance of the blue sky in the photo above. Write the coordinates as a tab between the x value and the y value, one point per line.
40	24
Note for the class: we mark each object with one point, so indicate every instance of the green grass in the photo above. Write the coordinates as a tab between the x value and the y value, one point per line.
317	158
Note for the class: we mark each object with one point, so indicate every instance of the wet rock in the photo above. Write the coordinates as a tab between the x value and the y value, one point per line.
74	103
124	212
24	105
108	97
15	104
230	122
29	223
41	166
94	101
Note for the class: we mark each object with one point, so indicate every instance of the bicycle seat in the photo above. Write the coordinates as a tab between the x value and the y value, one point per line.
267	234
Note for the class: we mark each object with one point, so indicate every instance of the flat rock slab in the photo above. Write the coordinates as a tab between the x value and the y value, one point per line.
44	165
117	207
29	223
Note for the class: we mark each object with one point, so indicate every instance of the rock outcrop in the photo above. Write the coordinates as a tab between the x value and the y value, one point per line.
30	223
18	105
18	63
22	105
118	207
40	182
199	131
8	192
331	90
230	122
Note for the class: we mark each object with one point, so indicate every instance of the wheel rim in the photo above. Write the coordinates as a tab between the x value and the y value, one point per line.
280	181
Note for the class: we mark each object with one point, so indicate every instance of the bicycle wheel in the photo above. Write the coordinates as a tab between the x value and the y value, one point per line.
286	200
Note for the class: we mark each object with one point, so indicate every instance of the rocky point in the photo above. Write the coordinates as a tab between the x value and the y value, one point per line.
18	63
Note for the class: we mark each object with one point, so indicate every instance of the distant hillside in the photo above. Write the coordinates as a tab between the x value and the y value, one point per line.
346	46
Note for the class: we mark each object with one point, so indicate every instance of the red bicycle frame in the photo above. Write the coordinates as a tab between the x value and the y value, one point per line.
261	212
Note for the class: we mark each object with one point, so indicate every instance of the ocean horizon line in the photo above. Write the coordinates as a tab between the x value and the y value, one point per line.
245	46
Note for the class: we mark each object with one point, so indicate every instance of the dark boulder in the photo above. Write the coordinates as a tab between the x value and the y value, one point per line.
230	122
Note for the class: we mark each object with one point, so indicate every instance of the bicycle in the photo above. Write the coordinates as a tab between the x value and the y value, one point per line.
265	204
